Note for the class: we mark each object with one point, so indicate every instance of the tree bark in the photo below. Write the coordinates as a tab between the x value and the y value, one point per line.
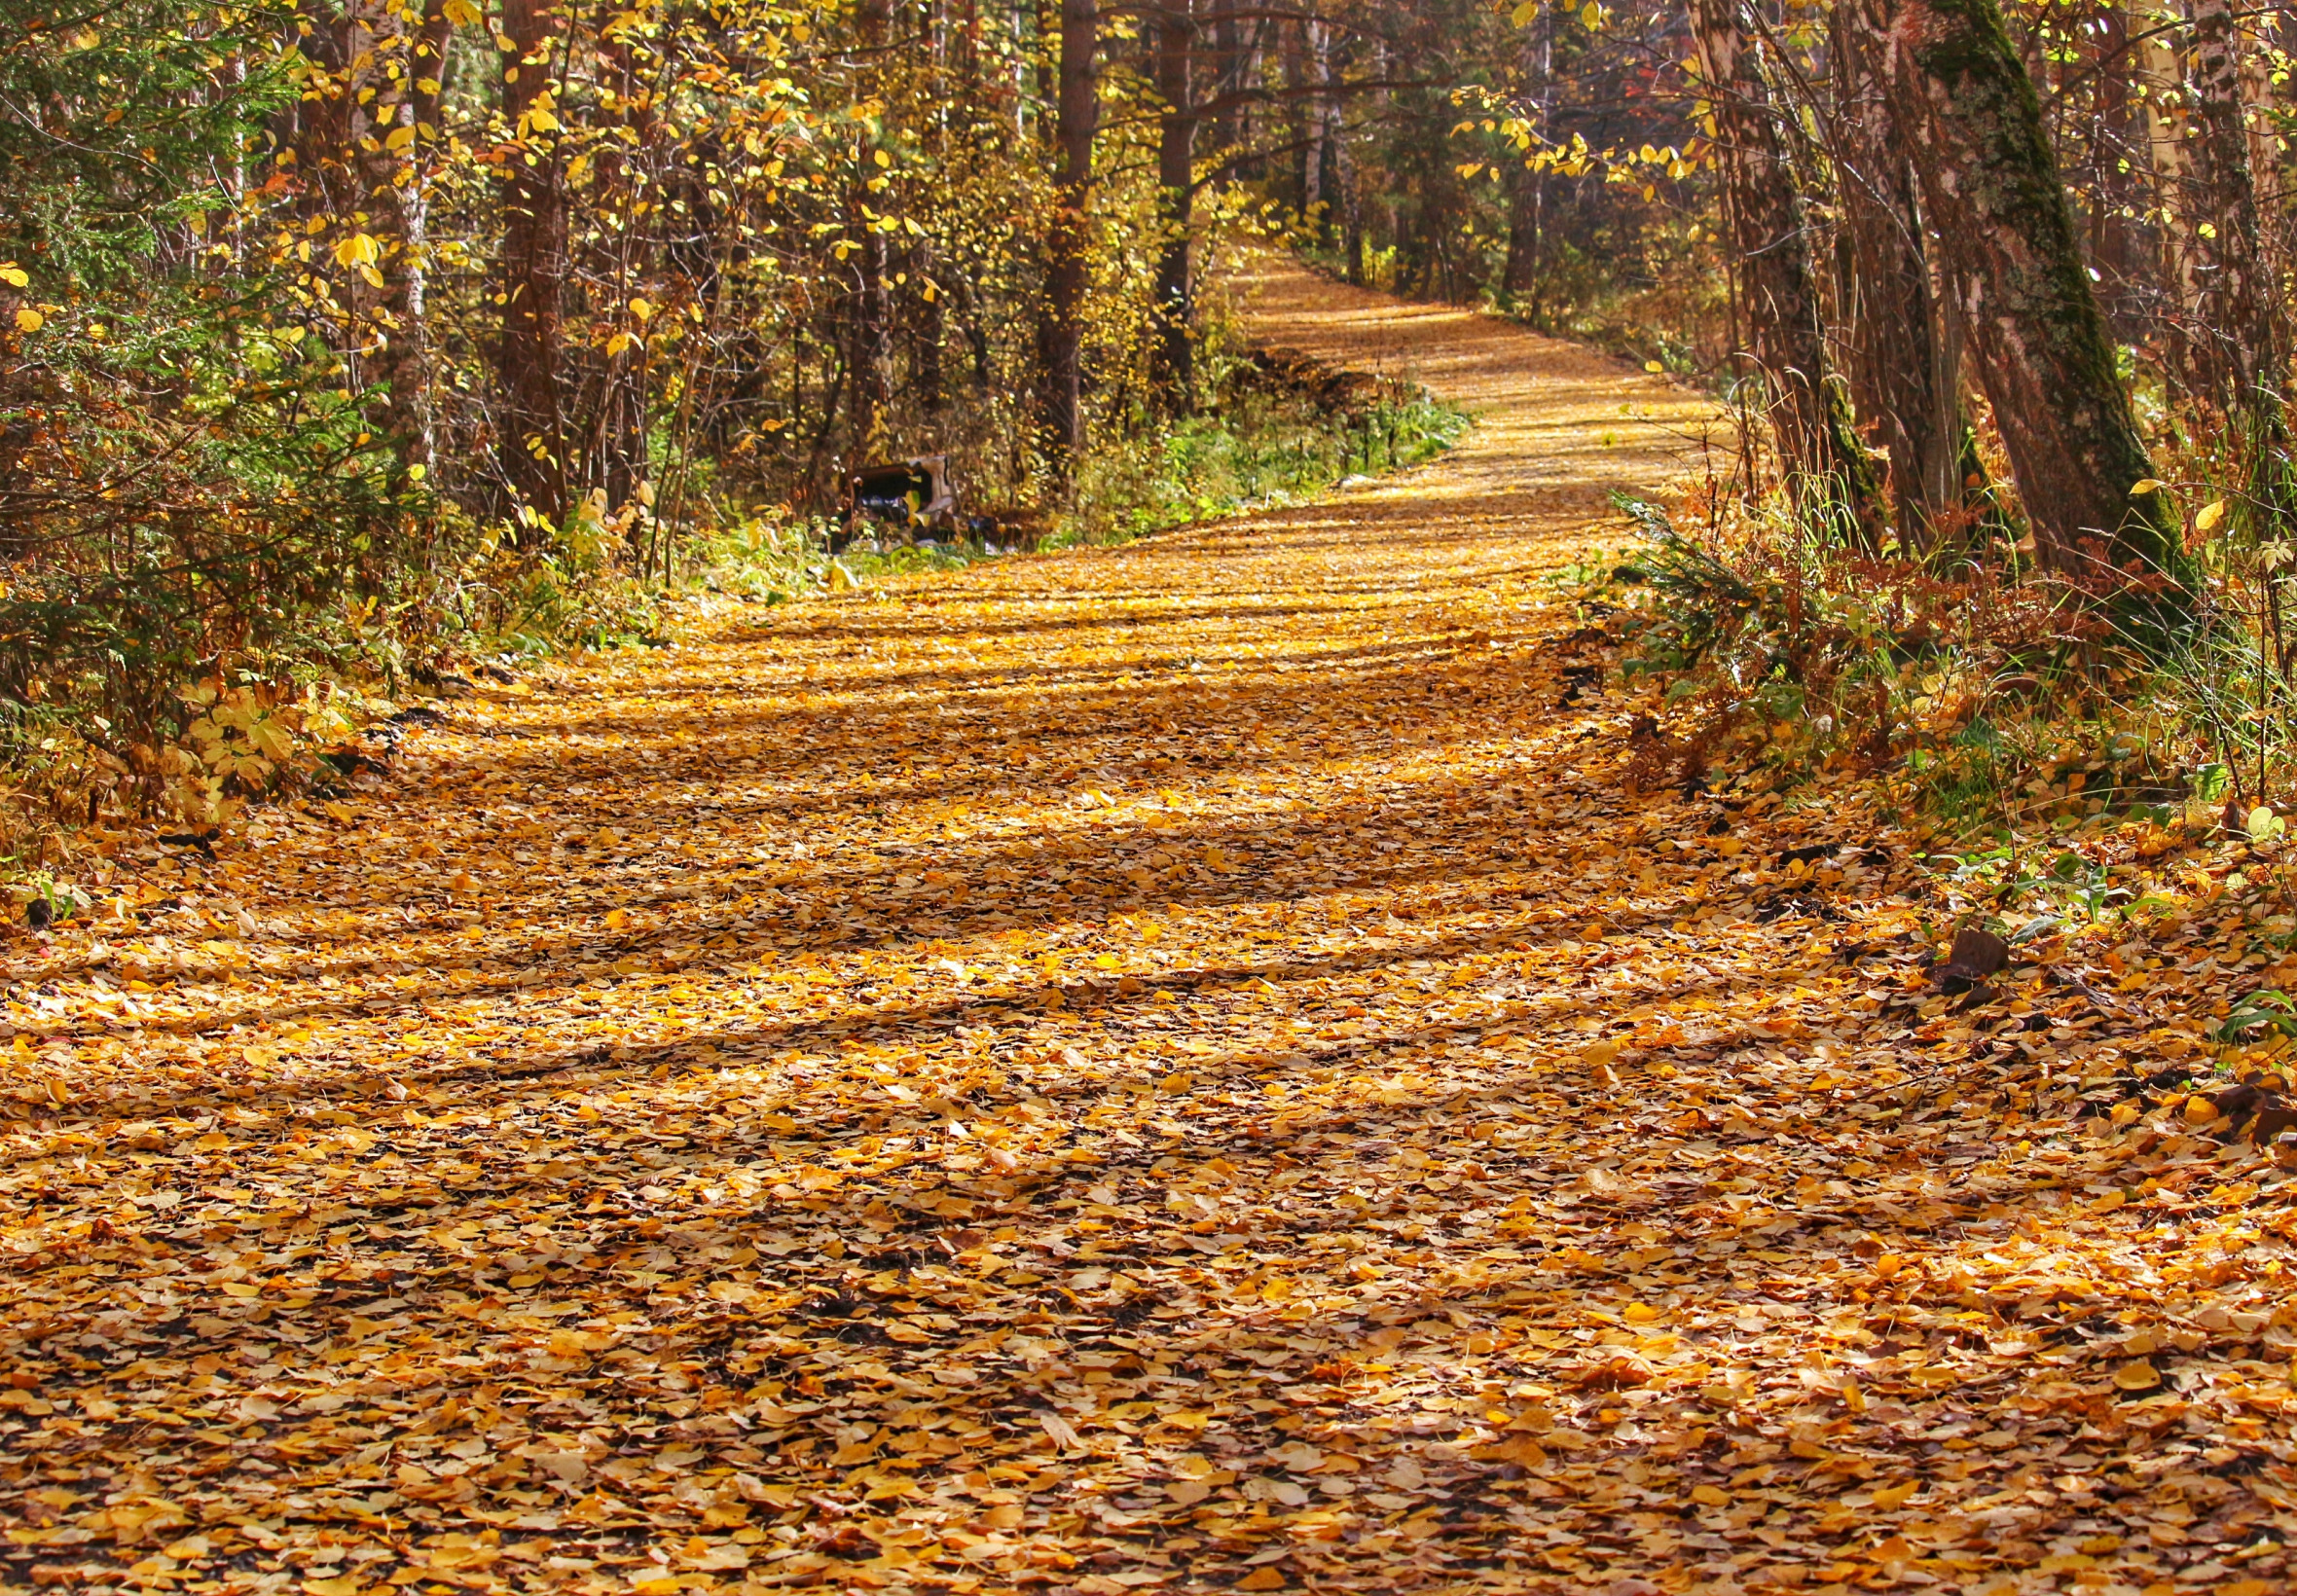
531	450
1227	74
1527	194
1350	206
869	351
614	460
1173	354
1302	46
1903	353
2235	348
1059	333
404	362
1990	183
1825	466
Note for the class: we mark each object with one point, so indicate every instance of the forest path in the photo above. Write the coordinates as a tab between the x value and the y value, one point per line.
1174	1067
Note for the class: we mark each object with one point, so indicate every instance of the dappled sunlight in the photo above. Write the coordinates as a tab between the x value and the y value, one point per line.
1177	1064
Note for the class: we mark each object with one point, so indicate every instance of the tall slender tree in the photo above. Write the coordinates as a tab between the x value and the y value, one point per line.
530	449
1068	263
1173	351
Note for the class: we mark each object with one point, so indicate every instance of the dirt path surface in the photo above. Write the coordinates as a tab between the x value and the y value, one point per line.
1175	1068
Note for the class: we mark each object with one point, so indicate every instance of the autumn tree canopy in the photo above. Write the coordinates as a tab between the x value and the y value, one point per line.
330	330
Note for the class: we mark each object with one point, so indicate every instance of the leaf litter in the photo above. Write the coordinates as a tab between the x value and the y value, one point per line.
1186	1067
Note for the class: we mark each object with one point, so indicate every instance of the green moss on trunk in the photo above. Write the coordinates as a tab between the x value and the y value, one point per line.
1991	183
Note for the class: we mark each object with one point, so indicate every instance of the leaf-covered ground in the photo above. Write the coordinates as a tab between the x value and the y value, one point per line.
1181	1067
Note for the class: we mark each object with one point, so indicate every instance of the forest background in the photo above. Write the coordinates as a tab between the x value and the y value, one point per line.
343	343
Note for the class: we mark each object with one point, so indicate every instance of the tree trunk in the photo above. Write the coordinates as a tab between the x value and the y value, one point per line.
1990	184
1060	331
531	450
1173	355
1902	354
1303	51
2113	198
614	460
1825	466
403	365
2236	353
1349	205
868	352
1527	183
1227	76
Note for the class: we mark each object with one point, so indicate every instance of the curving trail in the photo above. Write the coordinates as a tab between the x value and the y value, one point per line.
1169	1067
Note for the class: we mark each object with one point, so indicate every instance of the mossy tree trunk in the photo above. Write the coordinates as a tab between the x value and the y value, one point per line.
1967	113
1825	464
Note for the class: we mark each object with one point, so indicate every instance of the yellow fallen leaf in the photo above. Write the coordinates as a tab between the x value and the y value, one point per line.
2137	1375
2206	520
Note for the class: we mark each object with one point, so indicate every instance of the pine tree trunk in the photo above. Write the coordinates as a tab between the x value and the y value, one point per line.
1990	184
1173	355
1060	331
1824	463
531	450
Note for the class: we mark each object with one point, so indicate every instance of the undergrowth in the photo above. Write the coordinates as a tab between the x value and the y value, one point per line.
1265	446
223	719
1984	695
